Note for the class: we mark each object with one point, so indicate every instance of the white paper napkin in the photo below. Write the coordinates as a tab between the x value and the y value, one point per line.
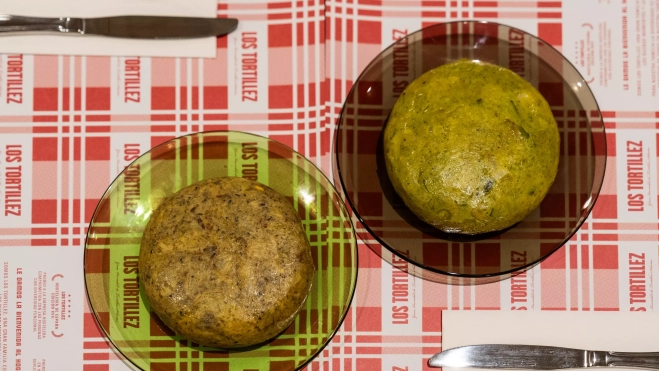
96	45
617	331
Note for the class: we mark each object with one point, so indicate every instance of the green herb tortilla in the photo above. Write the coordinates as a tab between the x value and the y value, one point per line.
471	147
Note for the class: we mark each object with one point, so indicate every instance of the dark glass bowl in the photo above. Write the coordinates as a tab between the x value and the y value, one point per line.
381	217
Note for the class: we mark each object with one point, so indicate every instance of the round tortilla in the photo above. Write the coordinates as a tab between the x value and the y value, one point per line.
226	263
471	147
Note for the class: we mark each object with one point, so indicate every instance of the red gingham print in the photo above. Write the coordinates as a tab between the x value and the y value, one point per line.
312	53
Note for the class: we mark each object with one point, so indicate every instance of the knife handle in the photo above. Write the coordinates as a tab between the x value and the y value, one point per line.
12	24
631	359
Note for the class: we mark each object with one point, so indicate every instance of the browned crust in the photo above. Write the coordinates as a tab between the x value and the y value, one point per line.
226	263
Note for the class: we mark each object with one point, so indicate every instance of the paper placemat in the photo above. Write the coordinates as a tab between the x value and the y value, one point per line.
79	121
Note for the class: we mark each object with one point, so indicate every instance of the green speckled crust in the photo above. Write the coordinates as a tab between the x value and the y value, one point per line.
226	263
471	147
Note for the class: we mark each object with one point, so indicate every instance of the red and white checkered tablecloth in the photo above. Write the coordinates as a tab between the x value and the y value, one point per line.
68	125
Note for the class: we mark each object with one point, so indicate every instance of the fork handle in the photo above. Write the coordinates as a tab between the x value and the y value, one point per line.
12	24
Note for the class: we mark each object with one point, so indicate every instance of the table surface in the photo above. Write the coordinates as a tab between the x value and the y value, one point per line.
70	119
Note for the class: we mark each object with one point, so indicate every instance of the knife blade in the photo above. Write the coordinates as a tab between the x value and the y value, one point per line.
537	357
132	26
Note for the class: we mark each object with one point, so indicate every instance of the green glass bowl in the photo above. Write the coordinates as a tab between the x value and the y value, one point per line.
113	242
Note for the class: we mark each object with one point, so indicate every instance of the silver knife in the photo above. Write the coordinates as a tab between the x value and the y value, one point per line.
536	357
134	27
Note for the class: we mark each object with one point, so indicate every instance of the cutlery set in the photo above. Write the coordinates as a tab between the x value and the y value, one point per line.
535	357
131	27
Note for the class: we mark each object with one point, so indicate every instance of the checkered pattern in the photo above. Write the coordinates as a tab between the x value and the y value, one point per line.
583	275
78	128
